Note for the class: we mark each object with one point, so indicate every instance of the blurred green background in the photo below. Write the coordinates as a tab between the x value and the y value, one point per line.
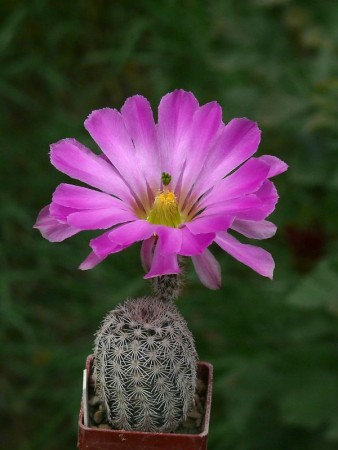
274	345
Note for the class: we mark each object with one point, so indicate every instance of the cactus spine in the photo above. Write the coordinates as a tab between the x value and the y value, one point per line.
167	287
145	362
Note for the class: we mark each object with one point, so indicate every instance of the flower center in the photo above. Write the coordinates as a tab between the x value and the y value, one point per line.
165	210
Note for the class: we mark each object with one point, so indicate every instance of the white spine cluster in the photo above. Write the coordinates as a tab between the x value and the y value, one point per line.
145	365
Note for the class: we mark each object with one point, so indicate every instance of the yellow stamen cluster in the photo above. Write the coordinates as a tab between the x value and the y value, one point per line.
165	210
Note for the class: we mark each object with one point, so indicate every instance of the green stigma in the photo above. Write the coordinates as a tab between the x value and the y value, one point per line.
166	178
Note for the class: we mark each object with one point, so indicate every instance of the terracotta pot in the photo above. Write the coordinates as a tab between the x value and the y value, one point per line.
106	439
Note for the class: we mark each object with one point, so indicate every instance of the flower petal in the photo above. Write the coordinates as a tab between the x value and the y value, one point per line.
204	128
79	197
253	229
175	115
77	161
129	233
147	252
234	206
162	264
60	212
237	142
107	128
208	269
194	244
91	261
139	121
103	246
97	219
99	210
170	239
246	180
277	166
268	197
164	259
255	257
209	223
52	229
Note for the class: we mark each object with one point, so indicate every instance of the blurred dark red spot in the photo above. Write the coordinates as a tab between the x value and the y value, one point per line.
307	244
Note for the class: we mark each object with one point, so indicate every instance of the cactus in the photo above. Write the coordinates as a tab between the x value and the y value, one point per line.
145	365
167	287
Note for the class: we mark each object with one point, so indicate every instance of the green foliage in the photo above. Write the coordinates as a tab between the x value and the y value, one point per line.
273	344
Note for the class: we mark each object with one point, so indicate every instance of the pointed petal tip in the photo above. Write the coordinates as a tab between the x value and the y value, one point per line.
213	104
277	165
36	223
214	287
99	118
94	117
134	98
58	149
179	93
254	229
270	275
254	257
91	261
247	121
268	270
56	144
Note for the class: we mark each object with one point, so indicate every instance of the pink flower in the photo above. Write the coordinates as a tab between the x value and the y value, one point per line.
178	186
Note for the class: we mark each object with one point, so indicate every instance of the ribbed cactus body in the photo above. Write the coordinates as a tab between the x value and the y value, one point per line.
145	365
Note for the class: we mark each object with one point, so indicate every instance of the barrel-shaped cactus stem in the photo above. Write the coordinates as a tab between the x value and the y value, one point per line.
145	365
